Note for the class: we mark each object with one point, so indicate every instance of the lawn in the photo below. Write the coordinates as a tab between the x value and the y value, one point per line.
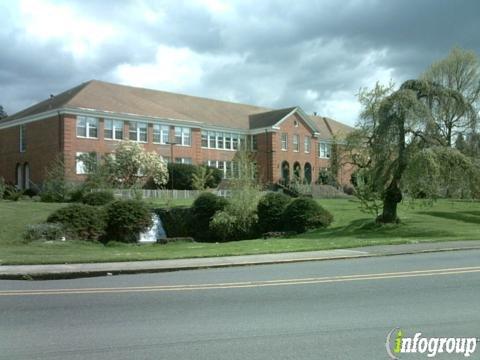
444	221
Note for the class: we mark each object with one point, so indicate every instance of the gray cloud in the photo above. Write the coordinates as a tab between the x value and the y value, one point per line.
307	53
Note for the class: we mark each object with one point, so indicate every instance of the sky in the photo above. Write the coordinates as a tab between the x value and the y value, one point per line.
312	54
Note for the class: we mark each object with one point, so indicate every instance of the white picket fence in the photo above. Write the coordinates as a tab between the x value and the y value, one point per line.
156	194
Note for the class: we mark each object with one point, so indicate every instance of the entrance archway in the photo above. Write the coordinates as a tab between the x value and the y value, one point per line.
285	172
308	173
297	171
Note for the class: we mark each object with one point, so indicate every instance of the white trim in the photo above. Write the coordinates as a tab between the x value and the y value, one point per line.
304	117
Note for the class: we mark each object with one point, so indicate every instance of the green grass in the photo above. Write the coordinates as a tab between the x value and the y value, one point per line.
444	221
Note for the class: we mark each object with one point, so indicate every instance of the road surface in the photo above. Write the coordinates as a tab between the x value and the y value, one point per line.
341	309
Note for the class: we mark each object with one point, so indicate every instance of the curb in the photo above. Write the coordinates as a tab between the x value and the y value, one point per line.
54	275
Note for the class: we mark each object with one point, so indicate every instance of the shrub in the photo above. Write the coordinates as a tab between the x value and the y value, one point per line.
46	231
2	187
181	175
77	194
203	209
83	222
176	221
126	219
223	225
30	192
239	220
303	214
12	193
348	189
98	198
270	209
326	177
215	179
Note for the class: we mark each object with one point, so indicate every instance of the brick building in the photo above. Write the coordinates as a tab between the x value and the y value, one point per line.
95	116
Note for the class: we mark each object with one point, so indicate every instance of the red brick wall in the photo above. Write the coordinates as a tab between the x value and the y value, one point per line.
103	146
43	145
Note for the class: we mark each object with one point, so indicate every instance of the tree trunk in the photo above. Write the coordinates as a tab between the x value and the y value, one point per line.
391	198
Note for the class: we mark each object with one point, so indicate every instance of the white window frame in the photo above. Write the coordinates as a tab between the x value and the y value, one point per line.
296	143
183	160
115	125
23	139
90	123
324	150
307	143
284	141
138	126
185	135
79	165
163	131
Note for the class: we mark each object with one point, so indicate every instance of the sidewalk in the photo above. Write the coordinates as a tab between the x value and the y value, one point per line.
64	271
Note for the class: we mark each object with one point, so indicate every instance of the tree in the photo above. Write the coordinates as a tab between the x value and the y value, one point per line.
3	114
395	136
459	71
129	166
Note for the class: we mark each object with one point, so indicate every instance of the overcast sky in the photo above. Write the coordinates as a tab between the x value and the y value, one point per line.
315	54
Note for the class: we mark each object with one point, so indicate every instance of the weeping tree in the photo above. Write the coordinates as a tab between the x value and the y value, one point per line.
397	138
459	71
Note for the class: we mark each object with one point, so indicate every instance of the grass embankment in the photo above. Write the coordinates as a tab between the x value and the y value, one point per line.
444	221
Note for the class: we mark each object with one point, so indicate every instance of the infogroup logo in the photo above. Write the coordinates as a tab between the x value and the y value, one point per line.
397	343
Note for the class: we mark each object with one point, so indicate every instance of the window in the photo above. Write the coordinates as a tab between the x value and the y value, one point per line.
182	136
324	150
296	144
234	141
80	165
211	139
183	160
113	129
254	143
23	139
138	131
306	144
284	141
87	127
160	134
219	140
204	139
228	141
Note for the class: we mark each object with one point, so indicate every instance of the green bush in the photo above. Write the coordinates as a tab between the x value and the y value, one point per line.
77	194
303	214
224	225
82	222
181	175
30	192
2	187
12	193
46	231
98	198
270	209
177	221
126	219
203	209
215	179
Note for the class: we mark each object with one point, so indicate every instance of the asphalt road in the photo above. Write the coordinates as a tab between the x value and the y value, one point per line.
341	309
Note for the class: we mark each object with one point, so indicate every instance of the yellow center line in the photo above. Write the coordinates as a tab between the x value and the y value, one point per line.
245	284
